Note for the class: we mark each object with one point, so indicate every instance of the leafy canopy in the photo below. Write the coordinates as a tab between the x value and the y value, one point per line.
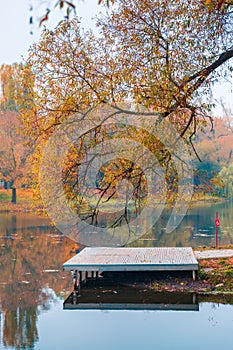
161	54
158	55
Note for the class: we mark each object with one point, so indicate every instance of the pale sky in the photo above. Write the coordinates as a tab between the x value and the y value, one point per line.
15	36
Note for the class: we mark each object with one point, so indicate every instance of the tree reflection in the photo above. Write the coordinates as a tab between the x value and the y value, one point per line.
20	328
30	273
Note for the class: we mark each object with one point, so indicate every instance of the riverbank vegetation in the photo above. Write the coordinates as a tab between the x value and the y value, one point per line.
163	66
218	273
24	201
215	278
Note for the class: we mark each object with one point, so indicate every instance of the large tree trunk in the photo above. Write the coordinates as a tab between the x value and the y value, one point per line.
13	197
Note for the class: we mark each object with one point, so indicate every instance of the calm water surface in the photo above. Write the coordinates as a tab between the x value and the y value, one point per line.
33	288
210	328
196	229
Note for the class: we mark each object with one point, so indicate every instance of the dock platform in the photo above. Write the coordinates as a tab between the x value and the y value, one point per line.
105	259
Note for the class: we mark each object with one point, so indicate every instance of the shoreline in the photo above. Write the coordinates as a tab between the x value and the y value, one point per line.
214	277
214	282
215	274
25	201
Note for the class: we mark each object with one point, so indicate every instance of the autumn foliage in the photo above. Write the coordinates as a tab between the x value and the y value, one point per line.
156	55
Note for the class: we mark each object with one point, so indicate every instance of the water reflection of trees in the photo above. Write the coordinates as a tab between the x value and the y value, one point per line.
30	264
20	328
197	228
26	255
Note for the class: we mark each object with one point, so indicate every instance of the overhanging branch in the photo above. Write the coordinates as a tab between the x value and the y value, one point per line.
205	72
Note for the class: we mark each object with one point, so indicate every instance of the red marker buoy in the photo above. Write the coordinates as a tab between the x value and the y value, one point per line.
217	224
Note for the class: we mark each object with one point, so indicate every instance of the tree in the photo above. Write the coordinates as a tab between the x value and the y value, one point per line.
8	77
13	151
15	81
175	83
15	84
70	6
214	148
225	176
155	54
214	143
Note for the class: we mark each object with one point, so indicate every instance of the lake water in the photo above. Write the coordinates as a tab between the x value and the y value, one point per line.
197	228
33	288
210	328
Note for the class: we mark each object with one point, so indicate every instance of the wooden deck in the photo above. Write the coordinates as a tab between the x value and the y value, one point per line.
103	259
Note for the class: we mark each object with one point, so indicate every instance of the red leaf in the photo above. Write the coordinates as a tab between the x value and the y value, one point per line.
220	3
45	18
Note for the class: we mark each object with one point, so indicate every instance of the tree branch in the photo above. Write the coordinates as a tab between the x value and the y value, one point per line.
205	72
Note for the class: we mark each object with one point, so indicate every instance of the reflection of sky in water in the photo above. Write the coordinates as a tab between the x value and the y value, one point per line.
211	328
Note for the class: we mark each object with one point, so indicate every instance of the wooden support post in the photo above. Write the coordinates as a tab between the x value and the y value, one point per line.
75	278
92	274
80	279
194	275
74	297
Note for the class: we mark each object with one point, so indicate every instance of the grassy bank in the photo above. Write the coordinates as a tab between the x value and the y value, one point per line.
24	201
218	274
214	282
